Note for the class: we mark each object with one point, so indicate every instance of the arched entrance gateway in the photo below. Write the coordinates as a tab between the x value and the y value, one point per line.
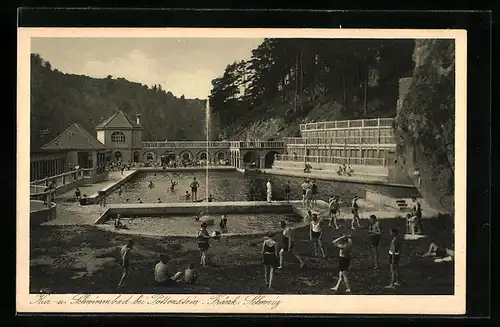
269	159
220	157
167	156
203	156
136	156
251	160
149	156
186	155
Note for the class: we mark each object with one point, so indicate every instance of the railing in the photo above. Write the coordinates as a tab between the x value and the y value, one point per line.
332	160
258	144
326	141
213	144
186	144
337	124
37	187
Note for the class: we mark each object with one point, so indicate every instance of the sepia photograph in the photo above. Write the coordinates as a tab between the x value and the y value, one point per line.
228	171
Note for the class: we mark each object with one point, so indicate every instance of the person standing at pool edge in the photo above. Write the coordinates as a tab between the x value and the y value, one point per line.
287	190
314	189
194	189
269	188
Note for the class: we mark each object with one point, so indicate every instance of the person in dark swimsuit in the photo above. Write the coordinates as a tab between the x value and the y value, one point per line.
314	189
287	190
394	257
344	243
374	233
355	213
194	188
118	224
287	245
125	260
103	197
269	258
78	194
223	224
203	243
172	185
417	212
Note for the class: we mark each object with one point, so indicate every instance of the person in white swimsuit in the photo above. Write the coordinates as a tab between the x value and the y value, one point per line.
287	245
315	233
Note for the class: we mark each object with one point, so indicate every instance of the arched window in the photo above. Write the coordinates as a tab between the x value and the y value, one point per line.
118	137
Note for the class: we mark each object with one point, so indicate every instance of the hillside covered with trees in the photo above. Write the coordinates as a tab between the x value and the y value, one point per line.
59	99
291	81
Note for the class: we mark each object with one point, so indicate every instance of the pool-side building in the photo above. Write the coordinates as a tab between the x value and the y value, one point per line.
73	147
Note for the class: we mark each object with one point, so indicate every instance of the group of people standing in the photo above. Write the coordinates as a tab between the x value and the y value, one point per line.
273	259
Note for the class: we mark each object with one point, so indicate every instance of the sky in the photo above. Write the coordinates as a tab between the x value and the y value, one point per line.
182	66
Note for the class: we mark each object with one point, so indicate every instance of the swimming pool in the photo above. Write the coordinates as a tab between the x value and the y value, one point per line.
225	186
177	225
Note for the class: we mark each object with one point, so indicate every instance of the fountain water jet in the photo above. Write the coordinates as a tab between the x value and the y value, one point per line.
207	123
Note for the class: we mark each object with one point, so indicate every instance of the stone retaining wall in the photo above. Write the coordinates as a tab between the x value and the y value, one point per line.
42	215
164	209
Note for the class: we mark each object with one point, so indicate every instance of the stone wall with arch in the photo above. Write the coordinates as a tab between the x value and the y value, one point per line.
149	156
203	153
186	155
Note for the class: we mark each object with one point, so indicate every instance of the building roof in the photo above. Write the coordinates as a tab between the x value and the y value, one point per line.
119	120
74	137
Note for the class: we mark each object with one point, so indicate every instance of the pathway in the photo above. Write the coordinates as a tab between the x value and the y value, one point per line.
89	189
332	176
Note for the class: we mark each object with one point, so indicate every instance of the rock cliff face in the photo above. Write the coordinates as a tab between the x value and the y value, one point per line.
425	123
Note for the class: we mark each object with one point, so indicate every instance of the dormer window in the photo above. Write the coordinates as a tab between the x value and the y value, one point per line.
118	137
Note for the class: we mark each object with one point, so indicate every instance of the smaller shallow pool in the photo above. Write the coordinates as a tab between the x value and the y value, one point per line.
237	224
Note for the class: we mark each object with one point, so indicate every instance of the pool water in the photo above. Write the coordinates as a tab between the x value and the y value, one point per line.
223	186
187	226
